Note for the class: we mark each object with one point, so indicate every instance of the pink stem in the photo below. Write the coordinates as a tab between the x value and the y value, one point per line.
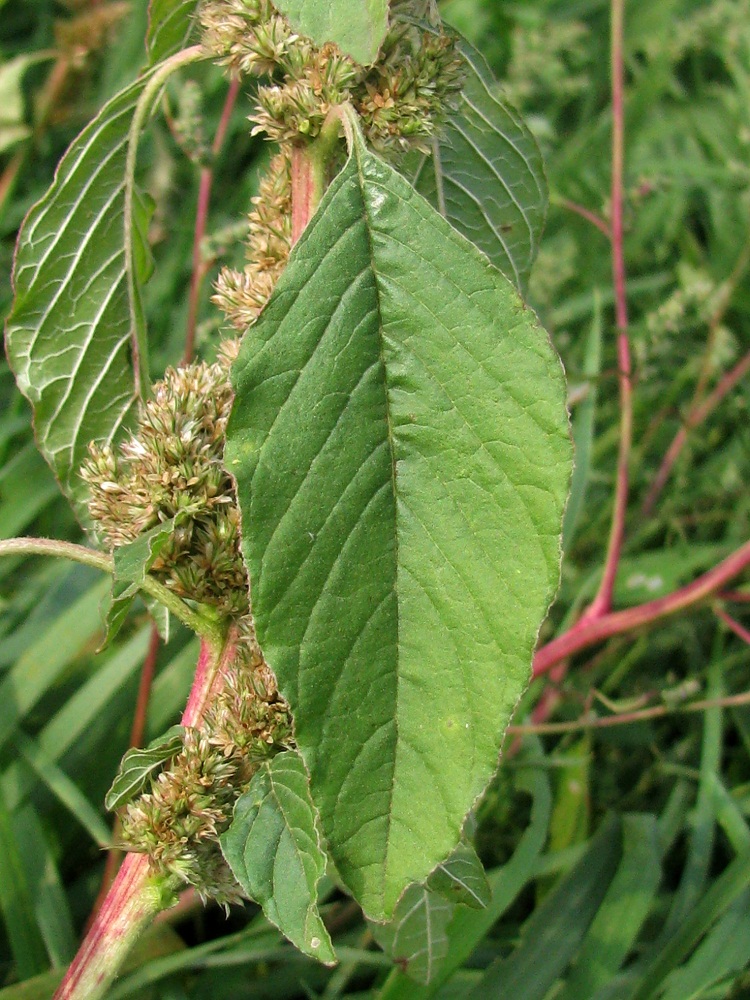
694	418
587	214
131	903
205	186
739	630
589	631
136	895
603	600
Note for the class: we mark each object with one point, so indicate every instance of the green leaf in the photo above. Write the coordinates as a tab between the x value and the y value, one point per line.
357	28
169	25
417	936
140	764
131	564
462	879
400	443
69	337
76	338
487	176
273	848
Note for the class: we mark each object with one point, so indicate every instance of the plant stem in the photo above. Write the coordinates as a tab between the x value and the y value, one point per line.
739	630
205	186
310	165
629	718
137	894
603	600
132	902
589	631
199	623
585	213
695	417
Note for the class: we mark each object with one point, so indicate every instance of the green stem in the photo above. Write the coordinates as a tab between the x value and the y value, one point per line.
199	623
143	109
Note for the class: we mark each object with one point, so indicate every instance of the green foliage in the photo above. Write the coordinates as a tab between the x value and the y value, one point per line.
486	175
444	558
274	850
139	765
359	30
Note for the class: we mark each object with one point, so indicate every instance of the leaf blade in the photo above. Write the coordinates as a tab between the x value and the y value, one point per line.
488	174
358	29
273	849
358	607
70	274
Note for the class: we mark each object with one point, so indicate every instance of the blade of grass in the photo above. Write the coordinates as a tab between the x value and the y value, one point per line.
17	904
50	904
553	934
64	789
623	911
469	927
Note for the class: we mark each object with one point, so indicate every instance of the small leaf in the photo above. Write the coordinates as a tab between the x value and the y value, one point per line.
140	764
169	25
273	849
488	175
357	28
400	443
131	564
416	938
462	878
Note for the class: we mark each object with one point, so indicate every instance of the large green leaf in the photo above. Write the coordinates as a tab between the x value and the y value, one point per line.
69	338
273	848
401	448
487	176
76	337
357	28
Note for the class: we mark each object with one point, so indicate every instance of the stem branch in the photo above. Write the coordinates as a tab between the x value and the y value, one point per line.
589	631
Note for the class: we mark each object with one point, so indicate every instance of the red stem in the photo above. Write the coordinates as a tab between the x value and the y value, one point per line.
303	191
134	897
205	187
739	630
696	416
589	631
603	600
586	213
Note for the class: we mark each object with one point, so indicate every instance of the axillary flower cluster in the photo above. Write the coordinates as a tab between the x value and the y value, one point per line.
173	462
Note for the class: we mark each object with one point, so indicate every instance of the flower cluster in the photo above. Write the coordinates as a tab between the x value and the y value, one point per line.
401	100
243	294
173	463
179	820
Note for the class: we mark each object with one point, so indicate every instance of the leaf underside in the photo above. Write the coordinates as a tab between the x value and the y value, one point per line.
273	849
357	28
417	937
488	175
68	337
401	449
